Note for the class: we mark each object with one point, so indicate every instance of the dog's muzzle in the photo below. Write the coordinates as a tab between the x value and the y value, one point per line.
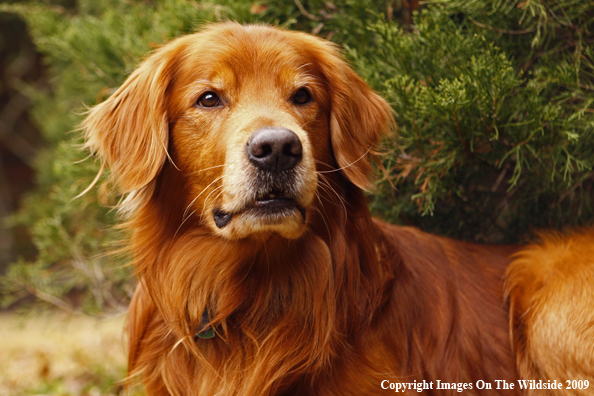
275	152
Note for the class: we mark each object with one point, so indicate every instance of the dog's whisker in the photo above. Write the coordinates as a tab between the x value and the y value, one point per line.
183	221
201	192
348	165
325	184
323	216
206	169
213	191
323	163
185	215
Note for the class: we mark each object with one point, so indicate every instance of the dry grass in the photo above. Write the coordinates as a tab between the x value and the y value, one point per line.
51	354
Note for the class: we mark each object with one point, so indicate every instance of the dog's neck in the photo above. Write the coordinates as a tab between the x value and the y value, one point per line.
318	291
254	284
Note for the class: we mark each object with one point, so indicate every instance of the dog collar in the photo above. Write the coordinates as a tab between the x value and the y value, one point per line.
203	330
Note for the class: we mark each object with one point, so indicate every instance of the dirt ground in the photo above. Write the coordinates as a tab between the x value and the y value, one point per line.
54	354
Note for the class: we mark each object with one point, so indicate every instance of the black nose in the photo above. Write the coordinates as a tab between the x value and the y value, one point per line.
274	149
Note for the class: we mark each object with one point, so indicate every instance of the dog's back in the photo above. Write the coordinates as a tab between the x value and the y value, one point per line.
449	301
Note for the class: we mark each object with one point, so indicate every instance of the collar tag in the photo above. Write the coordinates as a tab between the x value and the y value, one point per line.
203	330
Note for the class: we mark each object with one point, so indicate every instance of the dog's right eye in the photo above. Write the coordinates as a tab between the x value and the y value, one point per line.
302	96
208	99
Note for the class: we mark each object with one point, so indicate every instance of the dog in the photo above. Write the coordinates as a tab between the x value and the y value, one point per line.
244	151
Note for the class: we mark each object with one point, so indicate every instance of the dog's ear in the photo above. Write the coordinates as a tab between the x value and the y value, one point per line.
130	129
359	118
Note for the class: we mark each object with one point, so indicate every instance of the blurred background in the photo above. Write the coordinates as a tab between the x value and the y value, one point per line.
493	100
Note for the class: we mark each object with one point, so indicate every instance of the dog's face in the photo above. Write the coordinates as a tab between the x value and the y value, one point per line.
249	116
251	127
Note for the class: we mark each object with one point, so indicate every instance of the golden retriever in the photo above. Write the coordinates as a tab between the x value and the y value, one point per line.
245	150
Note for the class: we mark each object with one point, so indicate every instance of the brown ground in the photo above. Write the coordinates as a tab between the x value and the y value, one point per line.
53	354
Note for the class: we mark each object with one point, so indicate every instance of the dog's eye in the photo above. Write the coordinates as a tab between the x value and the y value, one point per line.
302	96
208	99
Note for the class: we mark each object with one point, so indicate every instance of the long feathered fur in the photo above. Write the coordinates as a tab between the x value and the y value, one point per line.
341	304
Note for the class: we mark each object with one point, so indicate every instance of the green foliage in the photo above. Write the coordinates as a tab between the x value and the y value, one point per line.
496	126
493	101
344	22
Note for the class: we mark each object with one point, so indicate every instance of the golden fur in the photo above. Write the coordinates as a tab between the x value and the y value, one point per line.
317	298
551	287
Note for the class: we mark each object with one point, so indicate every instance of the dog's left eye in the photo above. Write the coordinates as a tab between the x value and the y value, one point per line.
208	99
302	96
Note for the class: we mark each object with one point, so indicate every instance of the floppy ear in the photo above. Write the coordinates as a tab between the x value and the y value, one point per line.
130	129
359	118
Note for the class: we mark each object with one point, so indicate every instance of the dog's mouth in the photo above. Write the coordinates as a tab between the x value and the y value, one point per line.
273	200
272	207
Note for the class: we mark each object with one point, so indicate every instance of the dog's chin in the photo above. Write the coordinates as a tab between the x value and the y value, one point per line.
263	217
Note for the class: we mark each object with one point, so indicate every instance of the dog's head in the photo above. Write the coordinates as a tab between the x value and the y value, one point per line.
250	116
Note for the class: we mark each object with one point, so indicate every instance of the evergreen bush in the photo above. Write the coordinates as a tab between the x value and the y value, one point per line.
494	107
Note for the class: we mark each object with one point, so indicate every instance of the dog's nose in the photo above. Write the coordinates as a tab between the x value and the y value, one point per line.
274	149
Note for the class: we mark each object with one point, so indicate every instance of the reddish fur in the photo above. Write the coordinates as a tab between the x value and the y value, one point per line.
341	306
